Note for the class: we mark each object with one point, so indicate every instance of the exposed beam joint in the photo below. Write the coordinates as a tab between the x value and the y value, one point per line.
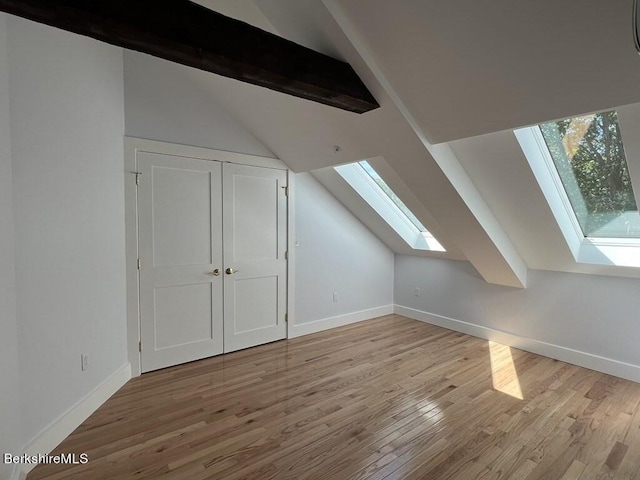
193	35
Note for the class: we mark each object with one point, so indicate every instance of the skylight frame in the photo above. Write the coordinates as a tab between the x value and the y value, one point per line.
369	190
399	204
616	251
557	181
596	219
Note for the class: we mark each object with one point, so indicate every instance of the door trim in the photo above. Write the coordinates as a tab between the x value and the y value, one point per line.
134	145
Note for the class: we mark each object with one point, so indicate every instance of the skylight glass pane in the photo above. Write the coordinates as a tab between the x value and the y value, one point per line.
589	156
392	196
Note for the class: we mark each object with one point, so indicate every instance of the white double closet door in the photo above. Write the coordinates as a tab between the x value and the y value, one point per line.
212	242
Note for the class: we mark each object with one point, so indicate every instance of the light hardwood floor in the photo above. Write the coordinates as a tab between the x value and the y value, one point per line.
389	398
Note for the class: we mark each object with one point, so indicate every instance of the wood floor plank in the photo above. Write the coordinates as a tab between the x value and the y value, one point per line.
389	398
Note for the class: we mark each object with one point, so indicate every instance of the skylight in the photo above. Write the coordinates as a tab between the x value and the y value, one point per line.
590	160
392	196
363	178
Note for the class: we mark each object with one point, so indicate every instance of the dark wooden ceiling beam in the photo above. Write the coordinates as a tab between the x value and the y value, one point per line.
190	34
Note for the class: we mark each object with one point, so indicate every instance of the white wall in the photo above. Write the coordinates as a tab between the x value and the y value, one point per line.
165	101
10	435
589	313
67	123
336	253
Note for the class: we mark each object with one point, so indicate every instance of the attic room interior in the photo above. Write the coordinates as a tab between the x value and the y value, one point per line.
411	250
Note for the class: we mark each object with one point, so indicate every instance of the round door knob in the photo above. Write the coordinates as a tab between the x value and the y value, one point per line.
230	271
215	273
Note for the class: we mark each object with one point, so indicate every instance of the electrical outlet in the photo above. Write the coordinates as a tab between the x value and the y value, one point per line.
84	361
417	292
335	297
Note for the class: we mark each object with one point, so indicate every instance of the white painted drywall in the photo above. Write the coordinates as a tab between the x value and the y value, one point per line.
589	313
335	253
164	101
467	68
67	124
10	437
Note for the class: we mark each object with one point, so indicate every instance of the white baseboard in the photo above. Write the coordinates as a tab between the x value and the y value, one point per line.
338	321
49	438
558	352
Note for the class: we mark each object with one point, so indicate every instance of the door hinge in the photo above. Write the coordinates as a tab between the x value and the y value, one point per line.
286	255
286	317
137	174
140	346
139	264
286	191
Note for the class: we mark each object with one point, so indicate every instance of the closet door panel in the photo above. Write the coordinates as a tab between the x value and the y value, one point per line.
180	247
255	236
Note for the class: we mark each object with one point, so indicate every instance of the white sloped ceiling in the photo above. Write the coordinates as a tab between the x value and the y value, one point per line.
444	72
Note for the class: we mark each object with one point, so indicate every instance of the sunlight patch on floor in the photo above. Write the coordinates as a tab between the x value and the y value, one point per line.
503	371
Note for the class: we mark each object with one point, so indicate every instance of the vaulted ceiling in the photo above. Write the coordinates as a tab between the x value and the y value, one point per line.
453	79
